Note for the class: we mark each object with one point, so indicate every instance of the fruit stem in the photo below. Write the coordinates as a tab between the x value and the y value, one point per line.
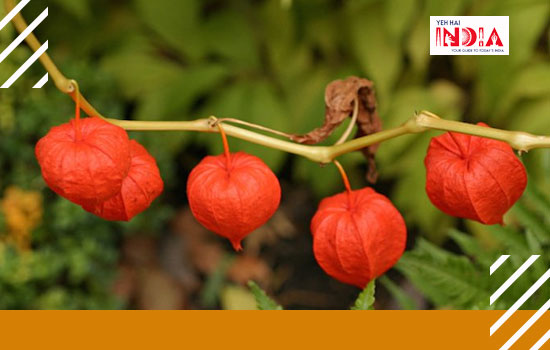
77	113
344	175
225	145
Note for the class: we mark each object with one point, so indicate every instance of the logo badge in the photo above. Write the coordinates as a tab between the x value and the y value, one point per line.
515	307
469	35
8	50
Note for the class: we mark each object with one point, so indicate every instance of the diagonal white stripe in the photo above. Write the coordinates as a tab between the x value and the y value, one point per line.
497	263
25	66
520	302
541	341
41	82
526	326
13	13
513	278
23	35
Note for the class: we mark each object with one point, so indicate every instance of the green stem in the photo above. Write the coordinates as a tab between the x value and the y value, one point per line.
315	153
61	82
519	140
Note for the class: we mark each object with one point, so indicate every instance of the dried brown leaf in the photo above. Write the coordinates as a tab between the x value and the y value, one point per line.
340	97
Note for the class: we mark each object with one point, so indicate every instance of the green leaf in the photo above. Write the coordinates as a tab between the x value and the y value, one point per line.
79	8
365	300
533	242
378	55
418	44
173	101
532	81
139	71
263	301
532	222
529	22
229	35
399	14
531	116
445	8
306	101
447	279
537	200
538	168
515	243
405	301
176	22
470	245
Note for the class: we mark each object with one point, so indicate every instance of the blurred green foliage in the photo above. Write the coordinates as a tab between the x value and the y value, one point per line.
461	281
264	62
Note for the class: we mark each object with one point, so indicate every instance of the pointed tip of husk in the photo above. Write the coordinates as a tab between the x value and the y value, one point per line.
237	245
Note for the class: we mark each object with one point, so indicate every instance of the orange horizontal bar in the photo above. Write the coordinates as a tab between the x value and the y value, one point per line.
441	330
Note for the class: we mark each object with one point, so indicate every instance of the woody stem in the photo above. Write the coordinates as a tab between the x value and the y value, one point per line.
424	121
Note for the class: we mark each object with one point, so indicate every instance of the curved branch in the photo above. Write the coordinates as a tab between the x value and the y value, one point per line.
323	154
61	82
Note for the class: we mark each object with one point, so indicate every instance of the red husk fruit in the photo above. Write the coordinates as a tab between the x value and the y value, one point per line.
233	194
84	159
473	177
140	187
357	236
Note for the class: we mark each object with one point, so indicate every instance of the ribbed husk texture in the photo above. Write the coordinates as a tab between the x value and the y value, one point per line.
233	200
91	168
357	236
140	187
100	169
473	177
